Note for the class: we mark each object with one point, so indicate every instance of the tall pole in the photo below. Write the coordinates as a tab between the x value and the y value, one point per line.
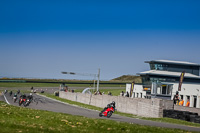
98	80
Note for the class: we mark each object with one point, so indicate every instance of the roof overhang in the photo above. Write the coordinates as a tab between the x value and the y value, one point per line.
173	62
168	73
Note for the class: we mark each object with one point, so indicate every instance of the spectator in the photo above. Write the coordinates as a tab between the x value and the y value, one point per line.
188	103
95	93
176	98
122	93
181	102
127	94
109	93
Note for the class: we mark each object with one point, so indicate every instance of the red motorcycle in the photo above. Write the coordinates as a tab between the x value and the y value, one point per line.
21	100
107	112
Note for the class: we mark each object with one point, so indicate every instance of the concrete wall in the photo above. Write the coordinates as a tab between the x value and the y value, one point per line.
137	106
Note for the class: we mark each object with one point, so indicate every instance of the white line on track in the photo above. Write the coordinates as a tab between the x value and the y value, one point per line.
5	98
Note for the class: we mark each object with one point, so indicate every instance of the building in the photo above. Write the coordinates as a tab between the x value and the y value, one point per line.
162	81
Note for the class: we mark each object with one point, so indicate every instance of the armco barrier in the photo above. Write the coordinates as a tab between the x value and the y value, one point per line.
137	106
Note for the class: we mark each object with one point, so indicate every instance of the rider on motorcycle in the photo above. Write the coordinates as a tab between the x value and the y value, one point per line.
5	91
110	105
30	97
15	97
10	93
18	91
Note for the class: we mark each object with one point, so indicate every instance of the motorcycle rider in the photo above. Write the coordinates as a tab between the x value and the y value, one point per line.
24	96
18	91
110	105
5	91
10	93
30	97
15	97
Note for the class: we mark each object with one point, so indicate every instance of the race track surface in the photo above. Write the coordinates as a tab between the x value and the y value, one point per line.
44	103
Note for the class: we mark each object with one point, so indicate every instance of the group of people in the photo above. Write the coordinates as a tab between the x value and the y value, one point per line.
22	96
179	101
99	93
125	94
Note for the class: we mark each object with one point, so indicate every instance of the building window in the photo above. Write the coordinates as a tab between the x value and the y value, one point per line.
141	95
195	101
182	97
164	89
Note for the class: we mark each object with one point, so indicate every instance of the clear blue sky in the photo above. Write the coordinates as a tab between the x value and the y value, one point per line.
40	39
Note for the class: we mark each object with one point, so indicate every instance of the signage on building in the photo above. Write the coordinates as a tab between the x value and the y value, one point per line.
181	80
132	87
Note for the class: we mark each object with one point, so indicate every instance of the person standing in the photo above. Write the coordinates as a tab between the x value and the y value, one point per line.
176	98
188	103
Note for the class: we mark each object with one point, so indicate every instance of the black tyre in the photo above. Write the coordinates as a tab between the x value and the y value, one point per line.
100	114
109	114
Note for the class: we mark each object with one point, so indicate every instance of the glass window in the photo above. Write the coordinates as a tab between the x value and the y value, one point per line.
164	89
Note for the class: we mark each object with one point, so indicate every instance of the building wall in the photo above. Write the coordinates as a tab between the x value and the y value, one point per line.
137	91
137	106
188	90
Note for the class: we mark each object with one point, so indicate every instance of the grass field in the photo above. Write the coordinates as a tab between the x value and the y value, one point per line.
13	84
22	120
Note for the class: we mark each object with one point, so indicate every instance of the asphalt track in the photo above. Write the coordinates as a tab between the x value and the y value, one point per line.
44	103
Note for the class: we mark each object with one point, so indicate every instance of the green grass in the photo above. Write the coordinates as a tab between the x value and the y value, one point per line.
22	120
20	85
115	92
167	120
9	85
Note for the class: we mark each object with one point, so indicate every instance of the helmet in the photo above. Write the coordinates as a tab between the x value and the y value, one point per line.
113	102
30	94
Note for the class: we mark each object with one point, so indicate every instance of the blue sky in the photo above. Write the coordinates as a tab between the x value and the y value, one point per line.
41	39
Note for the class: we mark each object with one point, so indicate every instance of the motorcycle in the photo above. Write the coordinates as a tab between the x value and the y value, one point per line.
14	99
22	101
10	93
27	102
18	91
107	112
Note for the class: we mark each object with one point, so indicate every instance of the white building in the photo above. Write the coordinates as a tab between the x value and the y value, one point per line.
162	81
